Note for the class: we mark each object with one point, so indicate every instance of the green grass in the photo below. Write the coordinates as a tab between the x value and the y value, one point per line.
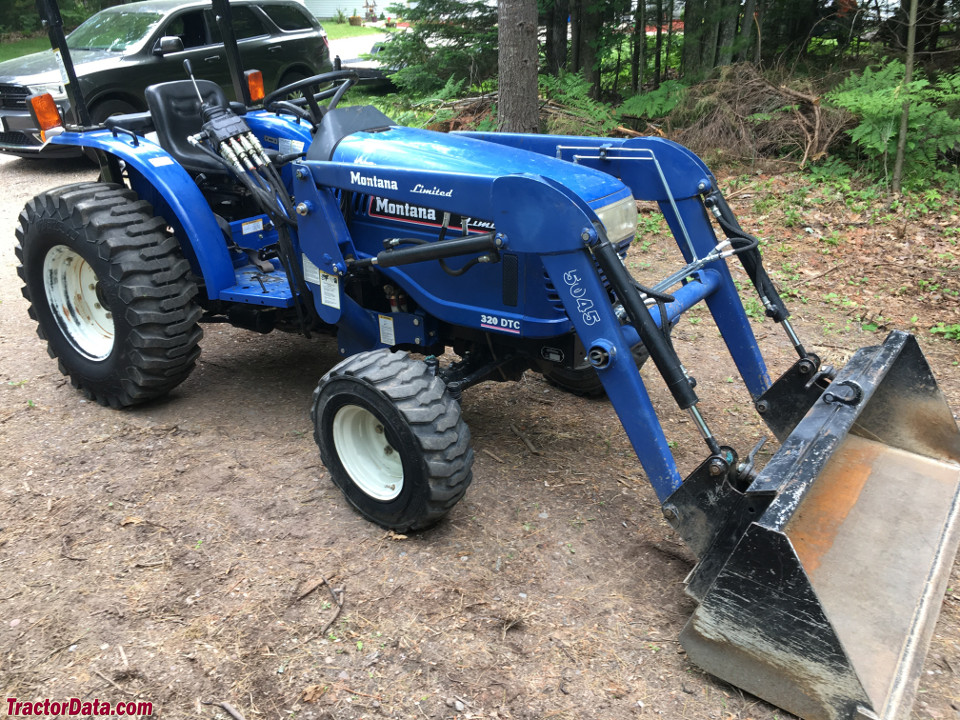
15	48
338	31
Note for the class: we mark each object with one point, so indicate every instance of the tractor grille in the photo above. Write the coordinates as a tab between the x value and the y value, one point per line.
554	297
13	97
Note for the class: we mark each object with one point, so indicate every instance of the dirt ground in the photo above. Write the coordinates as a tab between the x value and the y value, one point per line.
176	553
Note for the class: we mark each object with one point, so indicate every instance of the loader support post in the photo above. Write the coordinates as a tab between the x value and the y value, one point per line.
224	17
50	15
576	274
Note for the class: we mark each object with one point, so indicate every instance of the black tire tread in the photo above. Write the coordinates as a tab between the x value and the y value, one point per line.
433	415
153	282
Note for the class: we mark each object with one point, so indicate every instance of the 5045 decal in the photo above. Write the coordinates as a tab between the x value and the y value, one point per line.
585	305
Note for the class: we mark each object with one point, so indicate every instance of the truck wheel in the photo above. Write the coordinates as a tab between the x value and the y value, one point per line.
110	292
393	439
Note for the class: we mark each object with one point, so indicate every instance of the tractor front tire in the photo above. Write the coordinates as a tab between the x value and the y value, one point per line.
393	439
110	292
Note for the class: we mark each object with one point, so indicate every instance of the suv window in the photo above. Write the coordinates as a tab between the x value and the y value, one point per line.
114	30
189	27
246	24
290	17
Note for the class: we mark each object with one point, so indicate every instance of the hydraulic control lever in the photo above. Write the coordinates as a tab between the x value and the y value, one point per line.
227	133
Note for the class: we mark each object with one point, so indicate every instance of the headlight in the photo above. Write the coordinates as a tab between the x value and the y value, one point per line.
620	219
55	89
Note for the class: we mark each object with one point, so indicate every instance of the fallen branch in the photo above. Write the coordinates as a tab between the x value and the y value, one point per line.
524	439
57	650
825	272
227	708
120	689
64	551
337	599
487	452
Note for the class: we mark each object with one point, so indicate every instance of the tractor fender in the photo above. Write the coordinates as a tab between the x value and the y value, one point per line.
285	134
160	180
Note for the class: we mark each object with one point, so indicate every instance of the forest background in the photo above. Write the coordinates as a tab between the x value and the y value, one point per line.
838	83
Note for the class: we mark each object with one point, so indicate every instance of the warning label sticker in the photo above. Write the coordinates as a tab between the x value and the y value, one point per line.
311	273
387	335
252	226
329	290
289	147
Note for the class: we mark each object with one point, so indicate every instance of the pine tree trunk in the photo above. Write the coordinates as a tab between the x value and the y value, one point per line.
935	20
748	29
758	32
639	41
670	10
728	31
692	38
897	179
576	60
517	109
711	33
590	24
556	43
659	45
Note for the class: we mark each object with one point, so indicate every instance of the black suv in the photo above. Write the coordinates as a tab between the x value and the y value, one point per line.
121	50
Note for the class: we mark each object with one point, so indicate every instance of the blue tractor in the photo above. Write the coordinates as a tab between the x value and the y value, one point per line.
819	578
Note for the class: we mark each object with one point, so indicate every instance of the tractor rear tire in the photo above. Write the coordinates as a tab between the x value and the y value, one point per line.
110	292
393	439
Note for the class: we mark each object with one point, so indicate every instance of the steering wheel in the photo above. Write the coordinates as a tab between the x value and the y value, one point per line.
308	107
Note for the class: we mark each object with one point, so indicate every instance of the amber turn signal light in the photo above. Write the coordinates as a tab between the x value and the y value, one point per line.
255	85
45	114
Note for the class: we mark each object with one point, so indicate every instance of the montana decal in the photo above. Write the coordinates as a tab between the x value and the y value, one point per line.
372	181
420	215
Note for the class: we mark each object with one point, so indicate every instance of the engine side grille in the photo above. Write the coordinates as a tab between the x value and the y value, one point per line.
554	297
13	96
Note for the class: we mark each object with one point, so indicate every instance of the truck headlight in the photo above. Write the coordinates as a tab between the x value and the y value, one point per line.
55	89
620	219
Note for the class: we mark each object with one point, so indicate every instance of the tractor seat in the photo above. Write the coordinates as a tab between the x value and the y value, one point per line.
175	108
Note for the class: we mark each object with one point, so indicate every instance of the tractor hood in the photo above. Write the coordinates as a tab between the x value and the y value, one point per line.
416	149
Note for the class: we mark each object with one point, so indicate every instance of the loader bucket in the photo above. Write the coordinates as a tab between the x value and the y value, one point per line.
826	602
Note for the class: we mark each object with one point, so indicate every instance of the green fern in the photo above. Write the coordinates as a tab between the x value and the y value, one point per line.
876	98
656	103
579	114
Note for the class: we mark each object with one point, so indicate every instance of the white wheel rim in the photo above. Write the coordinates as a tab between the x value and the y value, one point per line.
370	460
71	287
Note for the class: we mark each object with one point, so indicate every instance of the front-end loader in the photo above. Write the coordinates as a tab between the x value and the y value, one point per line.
819	577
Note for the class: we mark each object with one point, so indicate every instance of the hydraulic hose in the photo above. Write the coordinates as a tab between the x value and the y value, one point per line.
661	351
749	256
